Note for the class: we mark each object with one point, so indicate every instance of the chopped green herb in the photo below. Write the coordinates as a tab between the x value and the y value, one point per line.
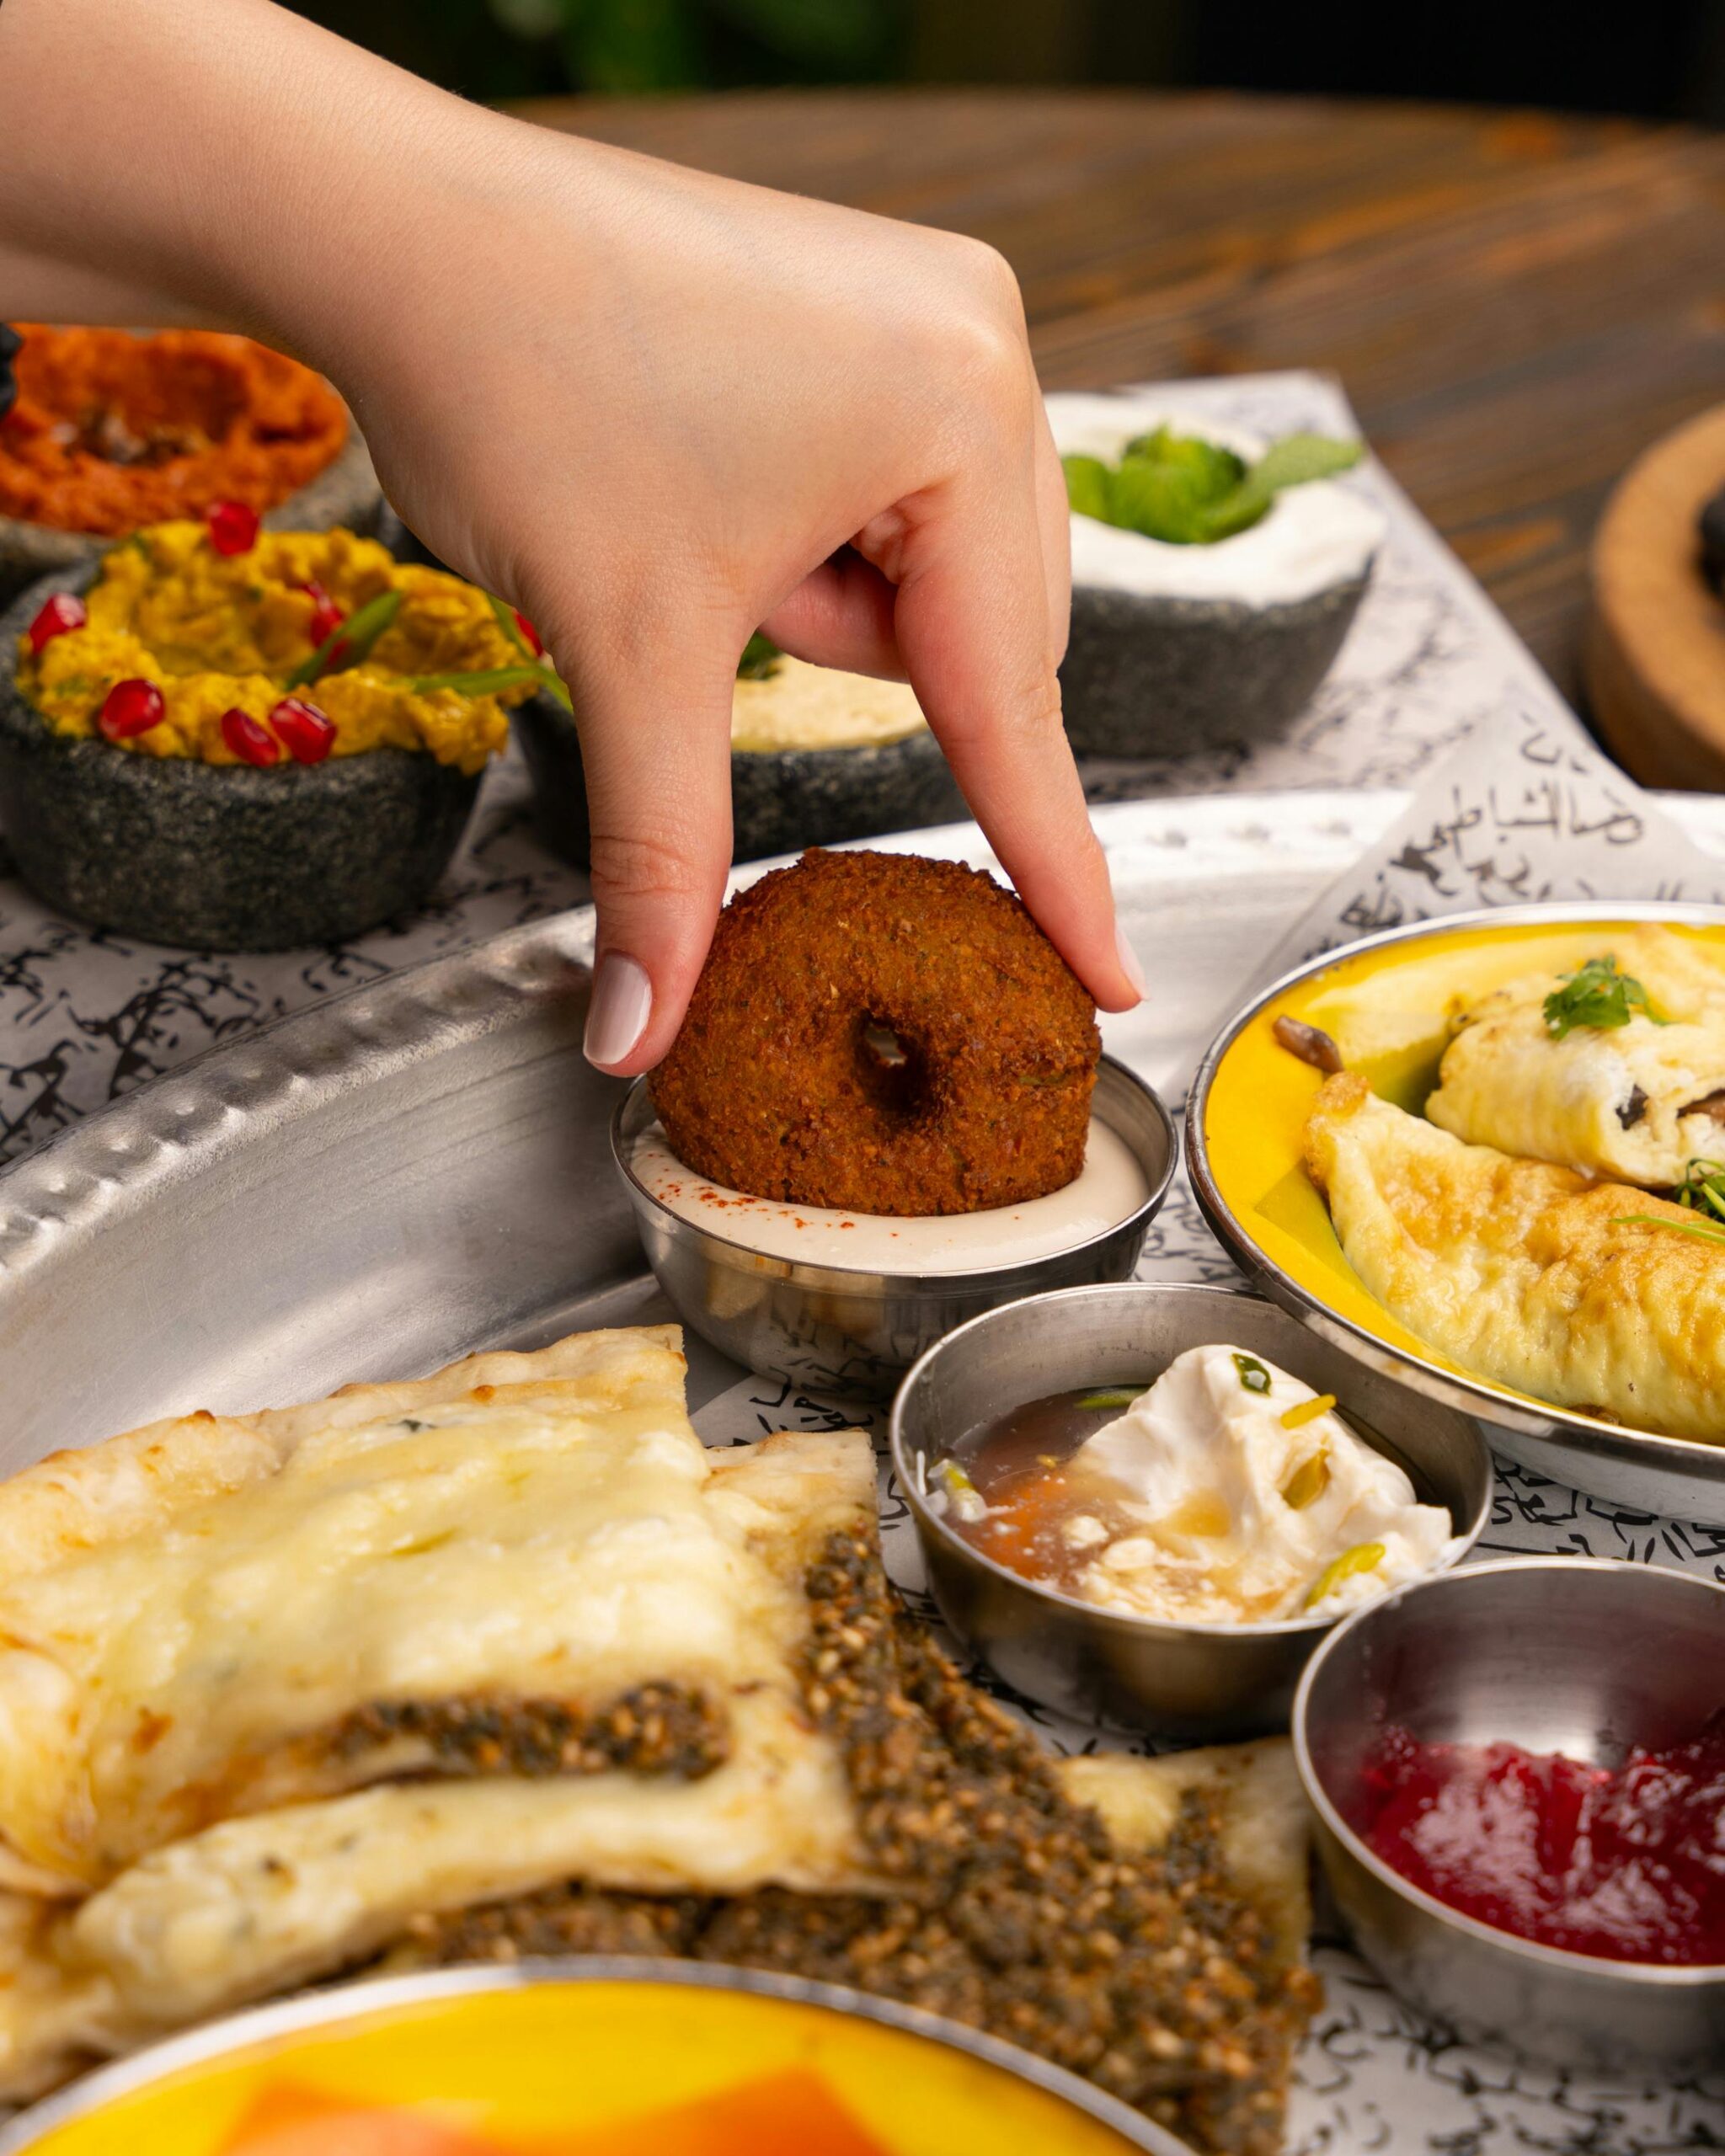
349	645
1087	486
1252	1374
1189	492
760	660
1214	470
1596	995
1703	1230
1294	462
1703	1186
1120	1396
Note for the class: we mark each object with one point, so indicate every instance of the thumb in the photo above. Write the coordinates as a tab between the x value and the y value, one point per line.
655	751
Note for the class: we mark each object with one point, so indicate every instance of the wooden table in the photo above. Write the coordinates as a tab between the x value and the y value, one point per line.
1516	303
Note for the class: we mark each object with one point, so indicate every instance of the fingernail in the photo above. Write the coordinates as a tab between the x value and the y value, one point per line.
1128	963
617	1016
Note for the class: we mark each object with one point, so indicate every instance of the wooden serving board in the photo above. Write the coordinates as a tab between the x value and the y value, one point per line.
1654	654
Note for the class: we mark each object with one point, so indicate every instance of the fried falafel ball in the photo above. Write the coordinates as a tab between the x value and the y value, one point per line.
880	1034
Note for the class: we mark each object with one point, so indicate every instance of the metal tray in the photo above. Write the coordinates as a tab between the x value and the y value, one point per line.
421	1168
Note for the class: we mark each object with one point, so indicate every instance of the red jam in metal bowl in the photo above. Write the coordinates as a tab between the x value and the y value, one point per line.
1626	1862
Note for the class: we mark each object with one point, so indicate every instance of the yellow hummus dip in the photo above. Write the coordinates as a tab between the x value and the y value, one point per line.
218	633
797	706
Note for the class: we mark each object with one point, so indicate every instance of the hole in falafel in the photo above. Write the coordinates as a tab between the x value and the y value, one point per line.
891	1067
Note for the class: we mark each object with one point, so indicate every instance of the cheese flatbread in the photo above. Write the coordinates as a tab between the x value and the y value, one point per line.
505	1661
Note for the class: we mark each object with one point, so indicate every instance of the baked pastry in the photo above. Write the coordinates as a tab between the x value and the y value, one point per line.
1616	1067
1592	1295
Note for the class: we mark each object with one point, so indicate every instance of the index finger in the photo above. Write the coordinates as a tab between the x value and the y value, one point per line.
976	626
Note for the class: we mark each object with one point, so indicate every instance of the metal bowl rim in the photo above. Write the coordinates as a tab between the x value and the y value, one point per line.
844	1278
1472	1395
317	2009
1669	1976
1128	1625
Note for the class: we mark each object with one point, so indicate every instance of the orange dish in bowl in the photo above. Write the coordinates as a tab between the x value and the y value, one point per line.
582	2059
112	430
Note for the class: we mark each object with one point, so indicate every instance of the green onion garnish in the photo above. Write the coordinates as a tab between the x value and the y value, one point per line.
498	677
511	628
1703	1186
1252	1374
350	644
1120	1396
1703	1230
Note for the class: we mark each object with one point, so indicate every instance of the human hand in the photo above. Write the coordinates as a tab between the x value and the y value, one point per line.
650	407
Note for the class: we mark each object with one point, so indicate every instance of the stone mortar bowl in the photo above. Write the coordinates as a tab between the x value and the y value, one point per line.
1158	675
782	799
217	857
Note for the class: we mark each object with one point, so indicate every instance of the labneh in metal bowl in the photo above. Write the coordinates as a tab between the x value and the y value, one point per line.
850	1332
1243	1120
1189	1680
1557	1654
591	2052
217	857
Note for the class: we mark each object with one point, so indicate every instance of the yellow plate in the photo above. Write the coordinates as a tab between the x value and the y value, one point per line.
1393	996
683	2061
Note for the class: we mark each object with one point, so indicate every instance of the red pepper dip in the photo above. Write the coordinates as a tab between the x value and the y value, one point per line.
111	431
1625	1862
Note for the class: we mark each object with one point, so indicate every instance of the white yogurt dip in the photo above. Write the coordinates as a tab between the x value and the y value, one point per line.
1311	537
1212	1510
1110	1187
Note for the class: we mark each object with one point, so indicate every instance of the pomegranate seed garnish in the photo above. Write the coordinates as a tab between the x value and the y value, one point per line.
248	738
308	733
130	707
232	527
535	642
327	618
60	613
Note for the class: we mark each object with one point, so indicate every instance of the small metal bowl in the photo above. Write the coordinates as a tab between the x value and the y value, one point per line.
851	1332
1575	1655
1202	1681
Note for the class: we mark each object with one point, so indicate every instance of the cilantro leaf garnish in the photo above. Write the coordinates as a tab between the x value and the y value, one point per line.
1190	493
1596	995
